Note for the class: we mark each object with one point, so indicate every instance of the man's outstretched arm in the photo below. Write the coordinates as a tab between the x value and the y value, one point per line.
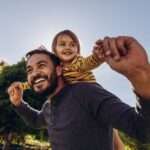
132	62
31	116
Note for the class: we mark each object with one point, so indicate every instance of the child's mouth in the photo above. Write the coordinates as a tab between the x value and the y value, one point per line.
67	52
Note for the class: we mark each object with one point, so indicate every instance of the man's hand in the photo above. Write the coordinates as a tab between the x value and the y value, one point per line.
15	92
124	54
127	56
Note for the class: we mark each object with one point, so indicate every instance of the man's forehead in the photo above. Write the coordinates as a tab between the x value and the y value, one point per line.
36	58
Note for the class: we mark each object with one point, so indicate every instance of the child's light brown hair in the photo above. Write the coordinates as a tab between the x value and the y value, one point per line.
65	32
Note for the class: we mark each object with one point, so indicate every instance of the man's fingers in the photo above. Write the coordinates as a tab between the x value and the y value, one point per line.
15	92
116	47
106	45
11	92
8	90
109	47
121	45
14	87
114	50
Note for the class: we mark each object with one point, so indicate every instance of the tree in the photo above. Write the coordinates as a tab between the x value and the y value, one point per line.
10	123
2	65
133	143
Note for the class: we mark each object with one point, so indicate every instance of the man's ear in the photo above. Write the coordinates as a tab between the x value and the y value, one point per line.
59	70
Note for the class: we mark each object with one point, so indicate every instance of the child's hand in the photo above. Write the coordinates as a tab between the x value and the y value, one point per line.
101	49
15	92
98	50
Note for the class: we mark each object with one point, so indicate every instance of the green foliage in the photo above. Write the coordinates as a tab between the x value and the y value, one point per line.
132	144
9	120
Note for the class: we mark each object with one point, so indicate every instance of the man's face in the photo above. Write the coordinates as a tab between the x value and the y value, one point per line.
41	74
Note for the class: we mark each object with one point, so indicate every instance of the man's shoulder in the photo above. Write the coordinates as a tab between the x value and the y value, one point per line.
89	88
86	86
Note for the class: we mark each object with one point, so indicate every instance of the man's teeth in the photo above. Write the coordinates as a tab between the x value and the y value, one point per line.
39	80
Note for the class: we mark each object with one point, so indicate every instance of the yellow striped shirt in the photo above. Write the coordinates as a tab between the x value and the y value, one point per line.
80	69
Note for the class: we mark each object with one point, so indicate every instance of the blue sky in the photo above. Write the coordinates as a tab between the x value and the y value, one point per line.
28	24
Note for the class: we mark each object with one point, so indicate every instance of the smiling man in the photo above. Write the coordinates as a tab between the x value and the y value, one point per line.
40	77
81	116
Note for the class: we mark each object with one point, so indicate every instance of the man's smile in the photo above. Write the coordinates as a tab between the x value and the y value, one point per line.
39	80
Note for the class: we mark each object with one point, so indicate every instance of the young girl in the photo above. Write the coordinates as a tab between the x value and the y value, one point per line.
76	68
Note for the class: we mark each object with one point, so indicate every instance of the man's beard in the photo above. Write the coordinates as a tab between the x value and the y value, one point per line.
52	85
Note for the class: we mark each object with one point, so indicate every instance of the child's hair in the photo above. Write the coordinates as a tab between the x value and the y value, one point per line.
65	32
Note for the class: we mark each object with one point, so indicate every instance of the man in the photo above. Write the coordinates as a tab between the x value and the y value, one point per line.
81	116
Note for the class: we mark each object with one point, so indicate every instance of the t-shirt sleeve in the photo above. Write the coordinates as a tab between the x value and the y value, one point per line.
32	117
87	63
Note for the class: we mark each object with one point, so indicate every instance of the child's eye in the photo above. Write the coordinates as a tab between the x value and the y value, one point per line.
61	44
73	44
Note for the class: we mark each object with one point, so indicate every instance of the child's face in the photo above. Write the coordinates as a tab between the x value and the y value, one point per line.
66	49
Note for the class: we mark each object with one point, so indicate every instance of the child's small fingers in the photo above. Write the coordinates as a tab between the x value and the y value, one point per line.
99	42
95	47
95	51
100	54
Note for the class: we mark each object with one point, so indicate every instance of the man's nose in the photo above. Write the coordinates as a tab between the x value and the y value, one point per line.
35	73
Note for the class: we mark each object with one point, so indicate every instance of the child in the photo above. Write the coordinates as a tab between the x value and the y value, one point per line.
76	68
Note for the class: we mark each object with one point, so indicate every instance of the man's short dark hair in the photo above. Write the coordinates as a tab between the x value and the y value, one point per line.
55	60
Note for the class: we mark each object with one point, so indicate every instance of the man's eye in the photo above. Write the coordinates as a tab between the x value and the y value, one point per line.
29	71
42	65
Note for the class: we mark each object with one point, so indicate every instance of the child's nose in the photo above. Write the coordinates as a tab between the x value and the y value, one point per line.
68	46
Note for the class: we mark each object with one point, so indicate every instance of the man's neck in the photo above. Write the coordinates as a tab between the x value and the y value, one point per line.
60	85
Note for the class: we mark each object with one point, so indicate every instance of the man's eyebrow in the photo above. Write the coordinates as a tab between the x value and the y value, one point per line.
39	62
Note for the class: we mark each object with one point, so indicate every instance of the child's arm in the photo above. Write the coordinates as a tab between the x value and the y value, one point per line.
90	62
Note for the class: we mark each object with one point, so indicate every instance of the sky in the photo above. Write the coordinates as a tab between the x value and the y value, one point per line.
25	25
